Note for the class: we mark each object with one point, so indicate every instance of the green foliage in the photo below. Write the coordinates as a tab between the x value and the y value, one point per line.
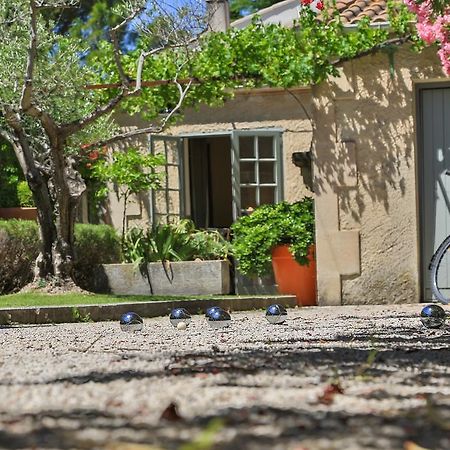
97	244
401	21
80	317
10	174
19	247
90	18
24	230
181	242
207	437
131	171
257	55
59	79
24	194
255	235
94	245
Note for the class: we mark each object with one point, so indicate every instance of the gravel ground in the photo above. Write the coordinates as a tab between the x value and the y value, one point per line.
362	377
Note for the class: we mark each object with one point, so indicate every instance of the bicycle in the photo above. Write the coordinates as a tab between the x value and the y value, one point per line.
435	265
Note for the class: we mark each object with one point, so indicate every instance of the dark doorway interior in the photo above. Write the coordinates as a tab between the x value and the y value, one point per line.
210	181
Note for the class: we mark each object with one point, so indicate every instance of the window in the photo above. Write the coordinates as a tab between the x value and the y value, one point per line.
257	176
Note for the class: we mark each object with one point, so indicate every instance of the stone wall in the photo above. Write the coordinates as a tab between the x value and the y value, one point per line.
365	179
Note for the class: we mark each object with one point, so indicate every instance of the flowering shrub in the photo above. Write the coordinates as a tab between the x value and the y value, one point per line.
314	5
433	26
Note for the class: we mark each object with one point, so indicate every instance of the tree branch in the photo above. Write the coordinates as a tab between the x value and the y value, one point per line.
27	91
123	137
116	52
26	101
183	93
128	19
152	129
77	125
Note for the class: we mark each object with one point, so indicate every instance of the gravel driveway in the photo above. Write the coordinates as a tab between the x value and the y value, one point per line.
363	377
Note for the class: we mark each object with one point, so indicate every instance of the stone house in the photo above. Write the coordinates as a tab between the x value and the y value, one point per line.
371	146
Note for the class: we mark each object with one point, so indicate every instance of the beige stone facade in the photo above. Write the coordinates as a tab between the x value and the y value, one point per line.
366	180
361	128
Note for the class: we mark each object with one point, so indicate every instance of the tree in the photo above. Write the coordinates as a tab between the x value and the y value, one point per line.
47	114
53	107
240	8
433	26
91	20
95	12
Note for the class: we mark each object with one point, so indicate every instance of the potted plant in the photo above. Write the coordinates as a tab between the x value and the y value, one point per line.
279	236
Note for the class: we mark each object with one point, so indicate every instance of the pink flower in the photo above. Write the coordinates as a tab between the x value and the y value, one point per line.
433	26
444	56
426	31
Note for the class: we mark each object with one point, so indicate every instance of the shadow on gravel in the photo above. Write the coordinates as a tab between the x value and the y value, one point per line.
341	360
256	428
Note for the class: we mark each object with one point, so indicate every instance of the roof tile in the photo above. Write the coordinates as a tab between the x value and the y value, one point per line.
352	11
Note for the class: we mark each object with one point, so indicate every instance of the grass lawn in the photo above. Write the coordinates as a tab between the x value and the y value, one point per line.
72	299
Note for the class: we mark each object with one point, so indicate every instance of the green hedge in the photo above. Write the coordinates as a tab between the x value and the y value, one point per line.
94	245
19	247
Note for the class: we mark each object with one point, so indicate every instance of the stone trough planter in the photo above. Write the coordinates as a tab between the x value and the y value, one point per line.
187	278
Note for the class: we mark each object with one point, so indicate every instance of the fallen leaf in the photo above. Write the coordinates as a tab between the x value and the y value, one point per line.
171	413
329	392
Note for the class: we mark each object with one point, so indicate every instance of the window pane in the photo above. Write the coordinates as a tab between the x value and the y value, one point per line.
247	147
248	172
171	148
267	195
172	178
265	147
248	197
267	172
161	202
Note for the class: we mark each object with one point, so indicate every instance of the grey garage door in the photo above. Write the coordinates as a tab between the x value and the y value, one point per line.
434	140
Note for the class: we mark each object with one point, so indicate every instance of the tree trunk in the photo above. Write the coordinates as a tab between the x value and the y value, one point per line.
42	199
69	186
56	216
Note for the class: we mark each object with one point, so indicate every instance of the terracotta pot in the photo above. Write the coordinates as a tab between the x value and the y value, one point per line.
18	213
293	278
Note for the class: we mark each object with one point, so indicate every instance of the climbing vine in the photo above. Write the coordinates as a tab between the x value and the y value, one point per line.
258	55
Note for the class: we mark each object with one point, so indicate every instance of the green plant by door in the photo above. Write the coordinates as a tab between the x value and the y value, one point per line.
131	172
270	225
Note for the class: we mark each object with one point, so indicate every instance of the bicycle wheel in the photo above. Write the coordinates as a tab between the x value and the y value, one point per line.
440	272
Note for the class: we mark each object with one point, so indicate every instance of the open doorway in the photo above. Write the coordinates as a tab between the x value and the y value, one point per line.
209	200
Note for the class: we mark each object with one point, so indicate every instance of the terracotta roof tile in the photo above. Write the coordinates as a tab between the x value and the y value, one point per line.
352	11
